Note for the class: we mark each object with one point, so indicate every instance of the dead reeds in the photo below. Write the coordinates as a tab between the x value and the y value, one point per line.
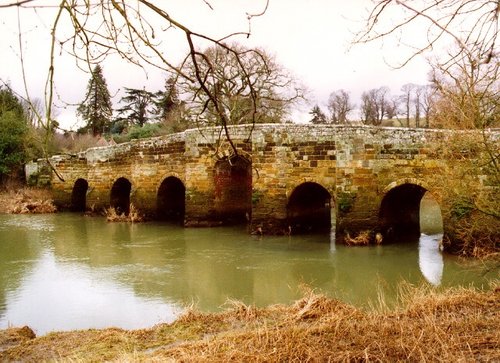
26	201
133	216
362	238
459	324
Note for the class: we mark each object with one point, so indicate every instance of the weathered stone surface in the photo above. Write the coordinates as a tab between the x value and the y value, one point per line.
356	165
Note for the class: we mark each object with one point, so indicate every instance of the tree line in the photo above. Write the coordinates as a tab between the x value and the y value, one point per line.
414	106
265	95
139	106
180	105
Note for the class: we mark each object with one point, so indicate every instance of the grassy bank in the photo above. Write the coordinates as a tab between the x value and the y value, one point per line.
16	199
455	325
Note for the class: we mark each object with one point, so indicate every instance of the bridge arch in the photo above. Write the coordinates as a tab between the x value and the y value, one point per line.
171	200
120	195
400	209
399	182
79	195
309	208
233	189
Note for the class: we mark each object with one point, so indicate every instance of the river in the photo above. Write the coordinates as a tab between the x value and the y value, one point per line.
67	271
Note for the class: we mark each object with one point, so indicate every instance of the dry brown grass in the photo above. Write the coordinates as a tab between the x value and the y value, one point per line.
454	325
133	216
26	200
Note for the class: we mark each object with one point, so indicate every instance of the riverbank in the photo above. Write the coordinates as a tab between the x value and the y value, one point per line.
456	325
23	200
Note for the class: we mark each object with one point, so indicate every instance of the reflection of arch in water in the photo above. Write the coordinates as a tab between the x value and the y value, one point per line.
170	202
120	195
430	259
309	208
79	195
233	189
399	214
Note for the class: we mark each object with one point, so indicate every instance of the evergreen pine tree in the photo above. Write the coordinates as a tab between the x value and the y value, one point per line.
318	116
96	110
166	101
137	109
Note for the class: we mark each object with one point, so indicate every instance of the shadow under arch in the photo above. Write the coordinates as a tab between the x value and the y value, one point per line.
79	195
120	195
233	190
309	209
399	213
171	200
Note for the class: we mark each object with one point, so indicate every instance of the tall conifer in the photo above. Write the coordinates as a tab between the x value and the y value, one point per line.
96	109
138	106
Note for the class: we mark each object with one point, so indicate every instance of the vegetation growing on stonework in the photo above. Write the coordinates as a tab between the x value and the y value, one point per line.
256	196
345	201
469	100
471	204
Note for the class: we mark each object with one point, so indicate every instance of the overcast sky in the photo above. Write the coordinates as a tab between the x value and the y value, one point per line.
312	38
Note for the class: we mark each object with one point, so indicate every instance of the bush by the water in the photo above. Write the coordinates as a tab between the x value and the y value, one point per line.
26	200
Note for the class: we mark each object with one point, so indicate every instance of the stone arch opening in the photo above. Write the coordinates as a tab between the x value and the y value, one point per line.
309	209
79	195
171	200
399	214
120	196
233	190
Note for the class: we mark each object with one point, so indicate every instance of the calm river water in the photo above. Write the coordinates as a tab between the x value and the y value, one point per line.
67	271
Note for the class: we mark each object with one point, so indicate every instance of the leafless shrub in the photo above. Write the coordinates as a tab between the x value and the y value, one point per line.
133	216
363	238
27	201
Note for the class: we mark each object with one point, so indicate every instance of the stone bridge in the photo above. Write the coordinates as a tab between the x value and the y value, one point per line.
285	178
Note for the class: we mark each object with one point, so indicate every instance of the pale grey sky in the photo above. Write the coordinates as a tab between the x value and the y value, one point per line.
311	38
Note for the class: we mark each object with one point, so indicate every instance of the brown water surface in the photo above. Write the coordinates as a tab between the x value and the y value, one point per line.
67	271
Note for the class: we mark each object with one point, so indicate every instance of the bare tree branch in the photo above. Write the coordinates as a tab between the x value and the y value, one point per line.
134	31
445	20
17	3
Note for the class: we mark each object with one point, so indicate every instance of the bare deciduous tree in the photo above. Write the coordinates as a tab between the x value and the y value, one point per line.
417	102
264	95
137	32
428	102
406	100
468	94
339	105
374	105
